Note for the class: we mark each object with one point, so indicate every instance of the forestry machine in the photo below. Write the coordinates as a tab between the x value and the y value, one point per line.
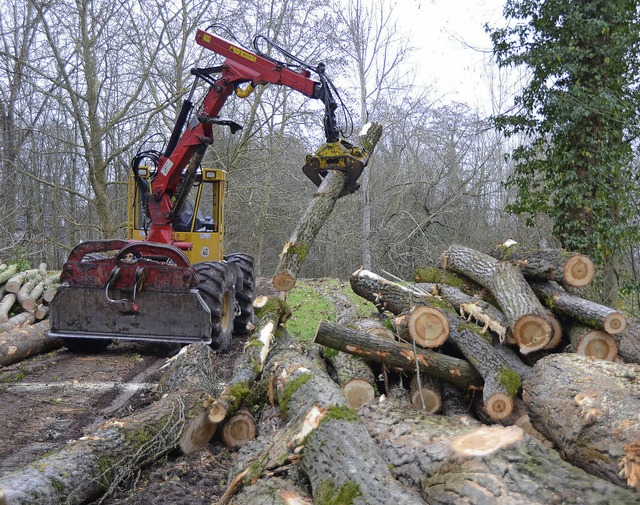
170	281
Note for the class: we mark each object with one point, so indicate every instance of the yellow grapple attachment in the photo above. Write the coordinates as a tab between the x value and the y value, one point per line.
340	156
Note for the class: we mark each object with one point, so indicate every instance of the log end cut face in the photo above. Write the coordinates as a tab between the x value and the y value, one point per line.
598	344
532	332
579	271
486	440
428	327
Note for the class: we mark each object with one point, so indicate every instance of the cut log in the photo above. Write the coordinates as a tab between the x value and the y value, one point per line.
354	376
42	312
15	283
398	355
574	269
81	471
270	313
426	326
17	321
30	301
463	462
24	295
585	311
593	343
26	341
239	429
629	343
527	317
7	273
481	312
271	491
425	393
5	306
297	247
589	409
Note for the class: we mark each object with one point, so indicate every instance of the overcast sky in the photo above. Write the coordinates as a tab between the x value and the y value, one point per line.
452	47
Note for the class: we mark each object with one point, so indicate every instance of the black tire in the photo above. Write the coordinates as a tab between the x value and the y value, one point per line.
216	284
86	345
245	291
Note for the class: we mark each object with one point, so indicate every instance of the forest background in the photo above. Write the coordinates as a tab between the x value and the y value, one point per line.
86	84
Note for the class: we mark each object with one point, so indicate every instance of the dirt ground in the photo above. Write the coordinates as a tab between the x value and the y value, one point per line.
49	400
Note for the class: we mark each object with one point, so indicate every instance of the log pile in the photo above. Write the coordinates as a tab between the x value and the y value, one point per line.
25	294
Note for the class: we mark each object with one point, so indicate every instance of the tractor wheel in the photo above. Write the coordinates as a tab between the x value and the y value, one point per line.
86	345
245	291
216	286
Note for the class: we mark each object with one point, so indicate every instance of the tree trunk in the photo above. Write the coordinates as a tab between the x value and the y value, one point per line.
297	247
587	312
592	343
629	343
589	409
354	376
7	273
15	283
22	343
398	354
5	306
527	317
574	269
82	471
426	326
17	321
454	462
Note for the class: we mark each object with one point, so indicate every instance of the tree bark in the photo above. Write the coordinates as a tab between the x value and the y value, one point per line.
7	273
587	312
84	470
17	321
574	269
629	343
5	306
463	462
15	283
527	317
24	342
397	354
354	376
589	409
297	247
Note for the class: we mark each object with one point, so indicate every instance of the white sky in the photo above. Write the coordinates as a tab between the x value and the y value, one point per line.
452	48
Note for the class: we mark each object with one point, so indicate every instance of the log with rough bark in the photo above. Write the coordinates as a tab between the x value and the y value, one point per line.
527	317
398	355
629	343
585	311
270	313
332	445
82	471
574	269
23	318
354	376
7	273
425	394
6	304
426	326
239	429
26	341
297	247
589	409
593	343
15	283
464	462
482	312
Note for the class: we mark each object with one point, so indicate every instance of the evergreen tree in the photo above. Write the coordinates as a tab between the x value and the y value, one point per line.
578	114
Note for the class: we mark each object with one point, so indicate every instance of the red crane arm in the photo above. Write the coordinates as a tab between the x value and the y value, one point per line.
240	66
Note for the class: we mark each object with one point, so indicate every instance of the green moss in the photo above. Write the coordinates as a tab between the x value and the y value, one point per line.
291	388
238	392
477	330
105	471
57	484
308	309
510	380
341	413
327	494
300	250
329	353
388	325
273	305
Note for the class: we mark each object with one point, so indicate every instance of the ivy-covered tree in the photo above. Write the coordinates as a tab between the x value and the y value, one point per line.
578	116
